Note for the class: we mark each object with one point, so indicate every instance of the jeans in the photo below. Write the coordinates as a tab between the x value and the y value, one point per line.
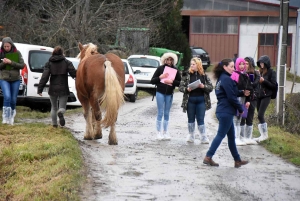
262	105
10	92
225	128
164	103
196	108
57	102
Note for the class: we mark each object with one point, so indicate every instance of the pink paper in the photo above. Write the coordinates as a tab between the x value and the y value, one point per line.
172	74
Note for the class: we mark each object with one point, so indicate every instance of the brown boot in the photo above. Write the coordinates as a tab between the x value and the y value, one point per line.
208	161
238	164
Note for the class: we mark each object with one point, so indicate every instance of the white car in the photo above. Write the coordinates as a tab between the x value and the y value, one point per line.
130	82
147	65
71	82
130	90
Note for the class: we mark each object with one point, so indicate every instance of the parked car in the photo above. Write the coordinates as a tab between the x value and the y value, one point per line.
71	82
130	90
146	64
35	58
202	54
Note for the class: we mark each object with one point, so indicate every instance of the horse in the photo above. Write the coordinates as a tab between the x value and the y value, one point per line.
100	81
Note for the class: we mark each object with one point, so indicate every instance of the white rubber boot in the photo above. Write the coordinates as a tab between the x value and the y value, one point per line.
4	120
12	118
242	134
249	131
203	138
237	130
263	130
166	134
191	135
158	129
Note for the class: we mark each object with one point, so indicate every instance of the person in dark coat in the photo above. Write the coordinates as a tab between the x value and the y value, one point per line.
11	62
57	69
226	92
164	92
247	123
267	83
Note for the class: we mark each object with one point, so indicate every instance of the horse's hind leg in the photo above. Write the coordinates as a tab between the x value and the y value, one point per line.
97	125
88	118
97	134
112	138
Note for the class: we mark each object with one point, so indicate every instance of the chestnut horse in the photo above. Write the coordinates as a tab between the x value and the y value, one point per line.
100	90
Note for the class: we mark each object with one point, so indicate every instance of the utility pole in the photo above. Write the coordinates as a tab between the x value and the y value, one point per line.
284	22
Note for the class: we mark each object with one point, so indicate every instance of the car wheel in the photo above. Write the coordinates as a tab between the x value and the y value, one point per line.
133	97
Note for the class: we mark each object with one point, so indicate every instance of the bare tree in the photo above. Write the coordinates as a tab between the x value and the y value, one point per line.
68	22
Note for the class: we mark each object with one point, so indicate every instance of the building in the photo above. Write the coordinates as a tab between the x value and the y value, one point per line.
243	27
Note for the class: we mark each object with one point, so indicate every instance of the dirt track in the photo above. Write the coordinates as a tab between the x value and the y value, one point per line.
142	168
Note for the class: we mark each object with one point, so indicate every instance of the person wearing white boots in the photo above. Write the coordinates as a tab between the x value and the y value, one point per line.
247	123
11	62
166	78
243	83
196	99
267	84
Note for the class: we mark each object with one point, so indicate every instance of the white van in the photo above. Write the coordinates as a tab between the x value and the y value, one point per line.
35	58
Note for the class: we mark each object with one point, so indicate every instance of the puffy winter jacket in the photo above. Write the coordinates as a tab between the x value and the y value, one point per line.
12	74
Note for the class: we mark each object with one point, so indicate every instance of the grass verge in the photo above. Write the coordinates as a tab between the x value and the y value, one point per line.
280	142
39	162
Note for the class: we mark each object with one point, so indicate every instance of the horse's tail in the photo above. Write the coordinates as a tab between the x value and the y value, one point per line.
113	96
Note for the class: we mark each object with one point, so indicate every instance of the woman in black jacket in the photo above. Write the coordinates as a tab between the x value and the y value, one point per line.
247	123
57	69
267	83
164	92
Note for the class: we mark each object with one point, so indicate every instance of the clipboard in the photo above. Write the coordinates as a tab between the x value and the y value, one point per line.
13	57
194	85
172	74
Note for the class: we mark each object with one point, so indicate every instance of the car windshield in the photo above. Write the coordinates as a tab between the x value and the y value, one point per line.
143	62
199	51
38	59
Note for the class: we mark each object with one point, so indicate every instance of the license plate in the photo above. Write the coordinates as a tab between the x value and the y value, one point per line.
144	74
45	89
204	63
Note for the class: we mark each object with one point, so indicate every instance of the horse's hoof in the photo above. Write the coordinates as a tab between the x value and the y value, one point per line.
112	143
87	138
98	137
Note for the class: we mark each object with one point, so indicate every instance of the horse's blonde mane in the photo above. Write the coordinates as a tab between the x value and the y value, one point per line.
89	49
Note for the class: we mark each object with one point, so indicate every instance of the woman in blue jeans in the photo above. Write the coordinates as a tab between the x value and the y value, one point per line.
226	93
10	65
164	93
194	101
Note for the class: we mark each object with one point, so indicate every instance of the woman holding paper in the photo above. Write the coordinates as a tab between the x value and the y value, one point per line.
166	78
10	64
196	87
226	92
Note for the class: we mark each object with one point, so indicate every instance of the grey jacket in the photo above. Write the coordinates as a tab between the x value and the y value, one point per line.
12	73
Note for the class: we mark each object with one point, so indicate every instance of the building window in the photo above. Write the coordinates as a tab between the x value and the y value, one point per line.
223	25
271	39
